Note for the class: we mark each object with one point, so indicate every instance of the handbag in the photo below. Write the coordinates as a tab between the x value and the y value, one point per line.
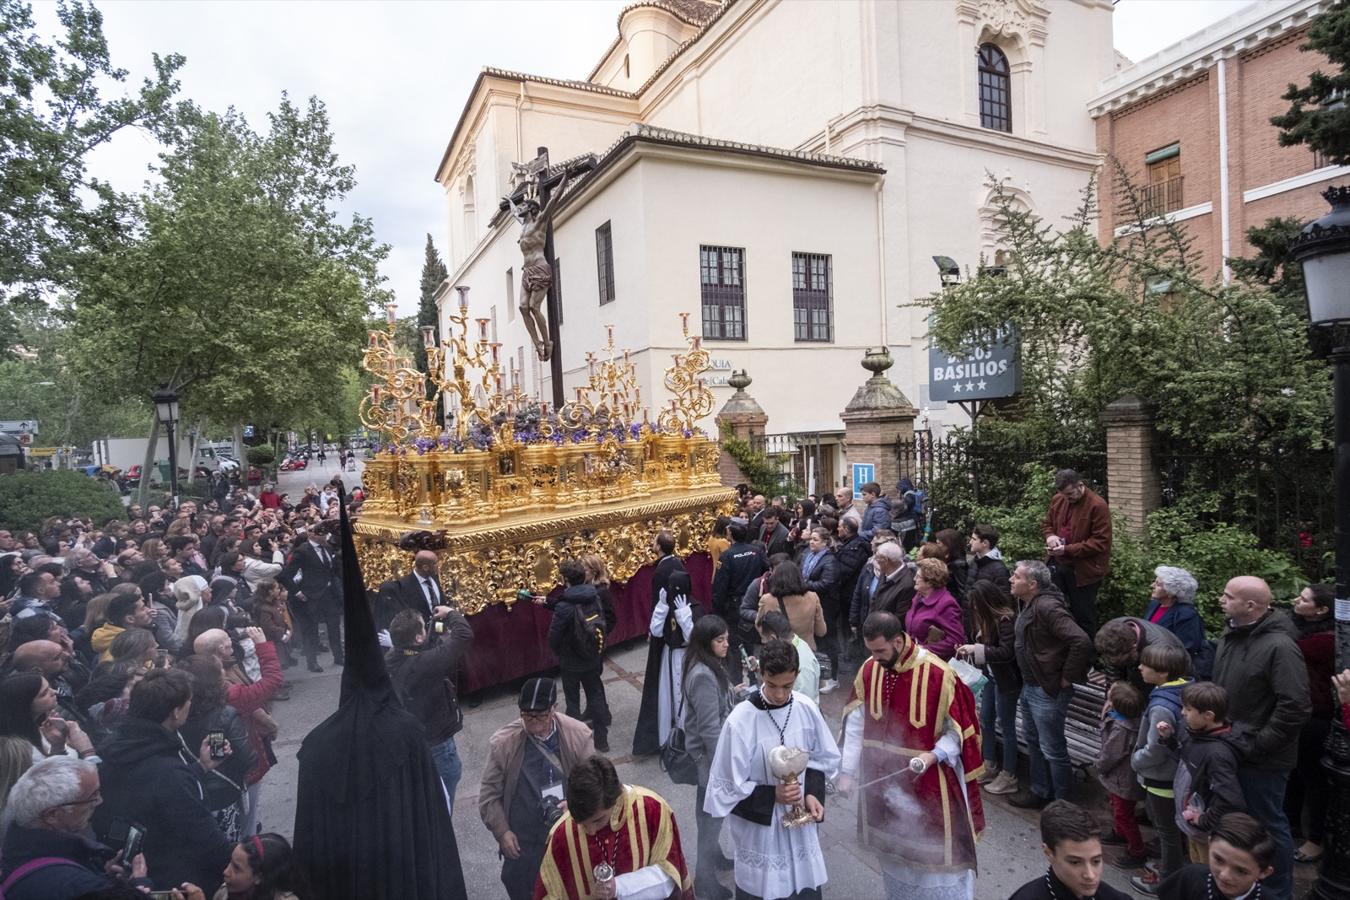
676	761
973	677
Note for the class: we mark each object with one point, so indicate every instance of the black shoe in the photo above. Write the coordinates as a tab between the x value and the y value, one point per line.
339	660
725	864
1126	861
288	662
1028	801
314	666
602	745
1111	839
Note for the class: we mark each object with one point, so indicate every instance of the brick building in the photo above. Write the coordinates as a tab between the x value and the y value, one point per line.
1191	127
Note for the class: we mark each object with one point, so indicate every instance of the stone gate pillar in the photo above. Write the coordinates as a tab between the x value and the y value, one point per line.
1131	473
876	418
744	418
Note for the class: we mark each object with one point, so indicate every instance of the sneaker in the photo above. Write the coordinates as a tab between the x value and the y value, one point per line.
1154	867
1005	783
1029	800
989	774
1126	861
1146	884
829	685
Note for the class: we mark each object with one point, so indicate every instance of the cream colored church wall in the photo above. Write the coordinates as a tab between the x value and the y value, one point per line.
774	80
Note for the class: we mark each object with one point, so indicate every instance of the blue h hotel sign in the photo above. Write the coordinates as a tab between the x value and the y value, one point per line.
862	473
978	372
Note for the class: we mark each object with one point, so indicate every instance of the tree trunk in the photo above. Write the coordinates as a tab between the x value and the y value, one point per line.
143	489
193	446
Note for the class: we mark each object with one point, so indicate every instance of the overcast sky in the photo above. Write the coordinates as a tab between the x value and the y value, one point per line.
395	76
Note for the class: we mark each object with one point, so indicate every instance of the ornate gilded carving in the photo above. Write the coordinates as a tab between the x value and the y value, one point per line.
487	565
514	487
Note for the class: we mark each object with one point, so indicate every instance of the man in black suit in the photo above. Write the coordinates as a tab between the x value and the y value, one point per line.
312	575
420	590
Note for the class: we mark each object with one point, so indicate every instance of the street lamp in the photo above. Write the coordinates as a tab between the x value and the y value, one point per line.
1324	250
166	410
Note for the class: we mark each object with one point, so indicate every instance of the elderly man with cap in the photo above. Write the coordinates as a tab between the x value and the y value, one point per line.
521	793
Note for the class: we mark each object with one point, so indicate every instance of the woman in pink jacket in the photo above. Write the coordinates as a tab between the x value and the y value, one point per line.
934	618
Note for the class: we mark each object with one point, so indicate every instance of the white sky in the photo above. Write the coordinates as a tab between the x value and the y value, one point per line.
395	76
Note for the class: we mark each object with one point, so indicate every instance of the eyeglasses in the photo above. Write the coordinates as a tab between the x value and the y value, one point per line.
536	716
95	797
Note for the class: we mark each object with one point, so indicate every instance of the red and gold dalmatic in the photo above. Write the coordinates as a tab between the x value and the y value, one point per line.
642	832
921	820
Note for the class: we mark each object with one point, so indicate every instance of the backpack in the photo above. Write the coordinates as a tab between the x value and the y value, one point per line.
588	630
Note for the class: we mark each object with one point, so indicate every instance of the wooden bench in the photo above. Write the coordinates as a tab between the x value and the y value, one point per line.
1082	725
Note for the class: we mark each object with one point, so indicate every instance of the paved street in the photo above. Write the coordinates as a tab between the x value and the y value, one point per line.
1009	853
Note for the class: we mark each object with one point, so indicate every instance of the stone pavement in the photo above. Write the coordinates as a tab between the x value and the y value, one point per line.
1009	853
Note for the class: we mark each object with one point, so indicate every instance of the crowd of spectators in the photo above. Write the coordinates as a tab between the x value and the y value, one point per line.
142	687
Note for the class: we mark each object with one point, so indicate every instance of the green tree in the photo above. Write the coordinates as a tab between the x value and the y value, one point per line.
1227	369
433	273
52	114
240	288
1318	116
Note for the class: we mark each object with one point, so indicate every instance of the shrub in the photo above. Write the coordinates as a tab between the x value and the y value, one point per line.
27	498
261	456
1182	535
760	471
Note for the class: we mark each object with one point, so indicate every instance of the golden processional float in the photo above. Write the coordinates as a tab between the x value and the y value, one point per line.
509	487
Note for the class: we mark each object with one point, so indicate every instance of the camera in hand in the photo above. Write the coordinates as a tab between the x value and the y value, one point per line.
553	810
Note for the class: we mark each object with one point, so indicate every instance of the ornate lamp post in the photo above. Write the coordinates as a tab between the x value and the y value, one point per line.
1324	250
166	411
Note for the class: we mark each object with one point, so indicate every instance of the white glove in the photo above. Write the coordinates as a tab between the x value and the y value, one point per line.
657	628
384	640
684	616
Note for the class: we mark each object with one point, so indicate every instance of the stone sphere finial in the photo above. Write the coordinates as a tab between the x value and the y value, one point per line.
878	360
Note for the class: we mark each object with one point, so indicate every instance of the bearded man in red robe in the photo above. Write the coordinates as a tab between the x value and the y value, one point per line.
911	749
614	840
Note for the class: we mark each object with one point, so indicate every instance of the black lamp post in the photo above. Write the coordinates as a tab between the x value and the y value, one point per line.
1324	250
166	410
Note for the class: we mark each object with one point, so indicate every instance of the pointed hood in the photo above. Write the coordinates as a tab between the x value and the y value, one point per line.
364	671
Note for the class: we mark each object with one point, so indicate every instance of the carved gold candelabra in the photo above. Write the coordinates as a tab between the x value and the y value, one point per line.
693	400
396	404
611	398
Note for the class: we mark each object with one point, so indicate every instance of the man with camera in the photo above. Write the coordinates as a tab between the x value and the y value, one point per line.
424	677
520	796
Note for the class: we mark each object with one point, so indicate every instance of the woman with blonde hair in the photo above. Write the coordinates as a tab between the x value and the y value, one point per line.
16	757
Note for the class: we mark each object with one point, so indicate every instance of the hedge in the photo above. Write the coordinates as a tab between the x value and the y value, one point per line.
27	498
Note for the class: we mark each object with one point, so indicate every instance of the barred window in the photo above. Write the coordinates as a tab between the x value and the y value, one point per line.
604	262
812	314
722	276
995	89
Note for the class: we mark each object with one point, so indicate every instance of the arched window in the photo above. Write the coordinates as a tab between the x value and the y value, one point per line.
995	89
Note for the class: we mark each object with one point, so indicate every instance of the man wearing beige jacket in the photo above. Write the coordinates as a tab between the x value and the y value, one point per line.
520	795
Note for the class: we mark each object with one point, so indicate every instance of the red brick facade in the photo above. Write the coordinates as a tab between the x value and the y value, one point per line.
1187	113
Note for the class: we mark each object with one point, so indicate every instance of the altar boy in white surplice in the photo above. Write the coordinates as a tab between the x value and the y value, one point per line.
773	862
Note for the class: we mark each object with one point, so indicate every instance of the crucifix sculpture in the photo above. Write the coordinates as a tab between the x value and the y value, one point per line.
533	200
